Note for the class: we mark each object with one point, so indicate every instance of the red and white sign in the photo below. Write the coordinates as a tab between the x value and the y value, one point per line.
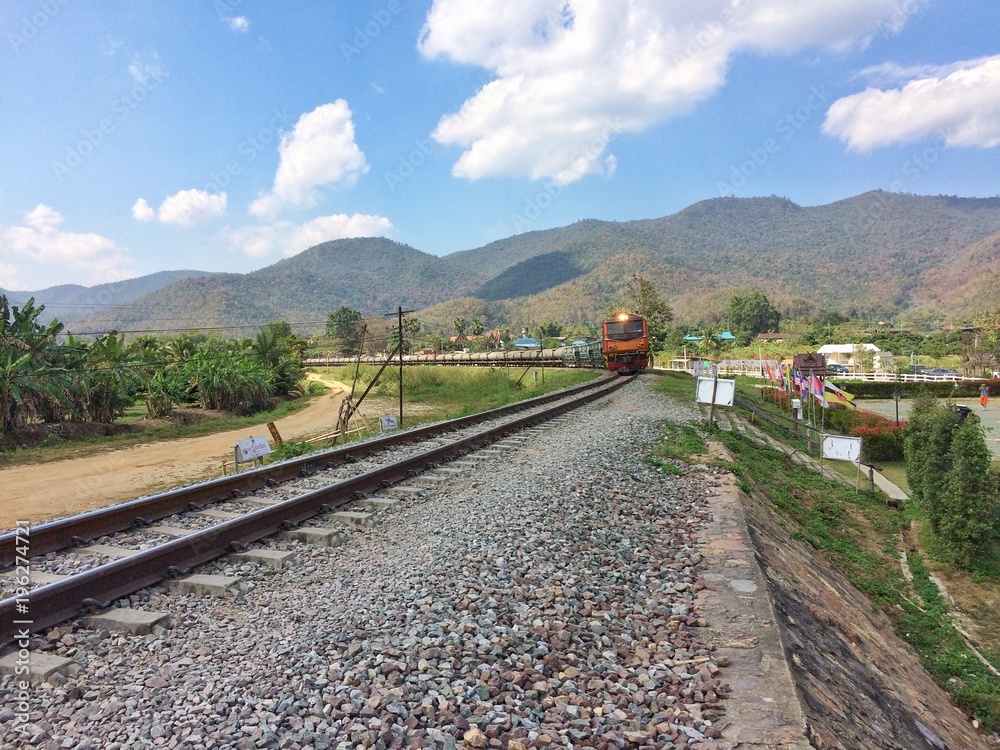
253	448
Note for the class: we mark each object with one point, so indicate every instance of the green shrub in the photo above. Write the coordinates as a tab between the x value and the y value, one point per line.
873	389
880	442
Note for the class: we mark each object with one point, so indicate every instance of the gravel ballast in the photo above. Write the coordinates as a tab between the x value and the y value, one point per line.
543	600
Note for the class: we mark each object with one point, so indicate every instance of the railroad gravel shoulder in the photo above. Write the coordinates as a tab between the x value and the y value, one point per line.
549	598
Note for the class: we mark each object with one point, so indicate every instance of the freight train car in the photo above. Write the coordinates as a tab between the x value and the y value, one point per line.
626	343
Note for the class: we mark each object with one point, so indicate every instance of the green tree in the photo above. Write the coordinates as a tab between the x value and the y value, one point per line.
346	327
228	382
643	298
108	380
477	327
411	327
33	380
751	314
917	437
969	498
460	325
549	330
273	347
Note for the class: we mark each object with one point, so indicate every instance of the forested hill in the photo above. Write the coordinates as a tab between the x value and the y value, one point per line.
373	274
885	252
72	301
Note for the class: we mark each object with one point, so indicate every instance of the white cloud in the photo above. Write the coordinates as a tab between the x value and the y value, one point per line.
958	103
240	24
10	278
319	151
42	217
142	211
185	207
44	255
189	207
570	74
291	239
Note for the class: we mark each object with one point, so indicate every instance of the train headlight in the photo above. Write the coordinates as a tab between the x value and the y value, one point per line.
623	317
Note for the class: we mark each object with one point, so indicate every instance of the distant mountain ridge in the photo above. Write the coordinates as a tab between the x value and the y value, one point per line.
72	301
878	251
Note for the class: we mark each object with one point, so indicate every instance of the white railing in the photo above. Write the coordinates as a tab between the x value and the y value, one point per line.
878	377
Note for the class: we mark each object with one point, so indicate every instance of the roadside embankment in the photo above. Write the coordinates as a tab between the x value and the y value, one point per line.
858	685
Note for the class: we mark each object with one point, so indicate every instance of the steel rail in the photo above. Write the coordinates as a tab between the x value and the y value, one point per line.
53	603
78	529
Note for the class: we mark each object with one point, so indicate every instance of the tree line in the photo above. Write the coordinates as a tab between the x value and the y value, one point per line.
50	376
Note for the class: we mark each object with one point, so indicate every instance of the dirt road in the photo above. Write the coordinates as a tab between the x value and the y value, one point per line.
59	488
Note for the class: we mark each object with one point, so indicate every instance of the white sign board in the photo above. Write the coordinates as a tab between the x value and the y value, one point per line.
725	390
388	423
842	448
252	448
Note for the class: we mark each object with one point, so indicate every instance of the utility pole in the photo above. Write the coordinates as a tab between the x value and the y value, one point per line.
401	367
400	312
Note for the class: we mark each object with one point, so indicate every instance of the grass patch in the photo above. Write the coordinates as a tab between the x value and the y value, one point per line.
447	392
676	385
680	443
291	449
943	651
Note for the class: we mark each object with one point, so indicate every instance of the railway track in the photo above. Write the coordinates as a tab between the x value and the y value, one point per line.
311	486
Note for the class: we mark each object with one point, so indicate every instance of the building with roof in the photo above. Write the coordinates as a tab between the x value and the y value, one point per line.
721	336
851	355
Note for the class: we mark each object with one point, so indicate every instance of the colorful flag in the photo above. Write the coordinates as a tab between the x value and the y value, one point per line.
835	395
817	389
770	373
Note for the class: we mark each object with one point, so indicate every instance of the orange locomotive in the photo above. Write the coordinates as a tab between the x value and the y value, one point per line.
626	343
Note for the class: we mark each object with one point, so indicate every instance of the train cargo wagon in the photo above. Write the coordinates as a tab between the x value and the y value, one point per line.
626	343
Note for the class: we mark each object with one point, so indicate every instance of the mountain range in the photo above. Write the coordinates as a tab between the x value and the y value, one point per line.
878	254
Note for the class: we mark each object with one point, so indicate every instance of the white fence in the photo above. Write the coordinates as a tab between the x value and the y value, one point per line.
878	377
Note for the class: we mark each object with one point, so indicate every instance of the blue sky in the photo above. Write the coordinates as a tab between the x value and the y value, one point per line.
225	135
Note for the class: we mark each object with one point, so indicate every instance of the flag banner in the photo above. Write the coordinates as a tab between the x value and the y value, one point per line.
835	395
817	389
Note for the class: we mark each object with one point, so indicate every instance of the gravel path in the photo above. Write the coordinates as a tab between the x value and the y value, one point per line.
546	600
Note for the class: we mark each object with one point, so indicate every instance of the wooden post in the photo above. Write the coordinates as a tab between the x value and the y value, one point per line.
711	407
